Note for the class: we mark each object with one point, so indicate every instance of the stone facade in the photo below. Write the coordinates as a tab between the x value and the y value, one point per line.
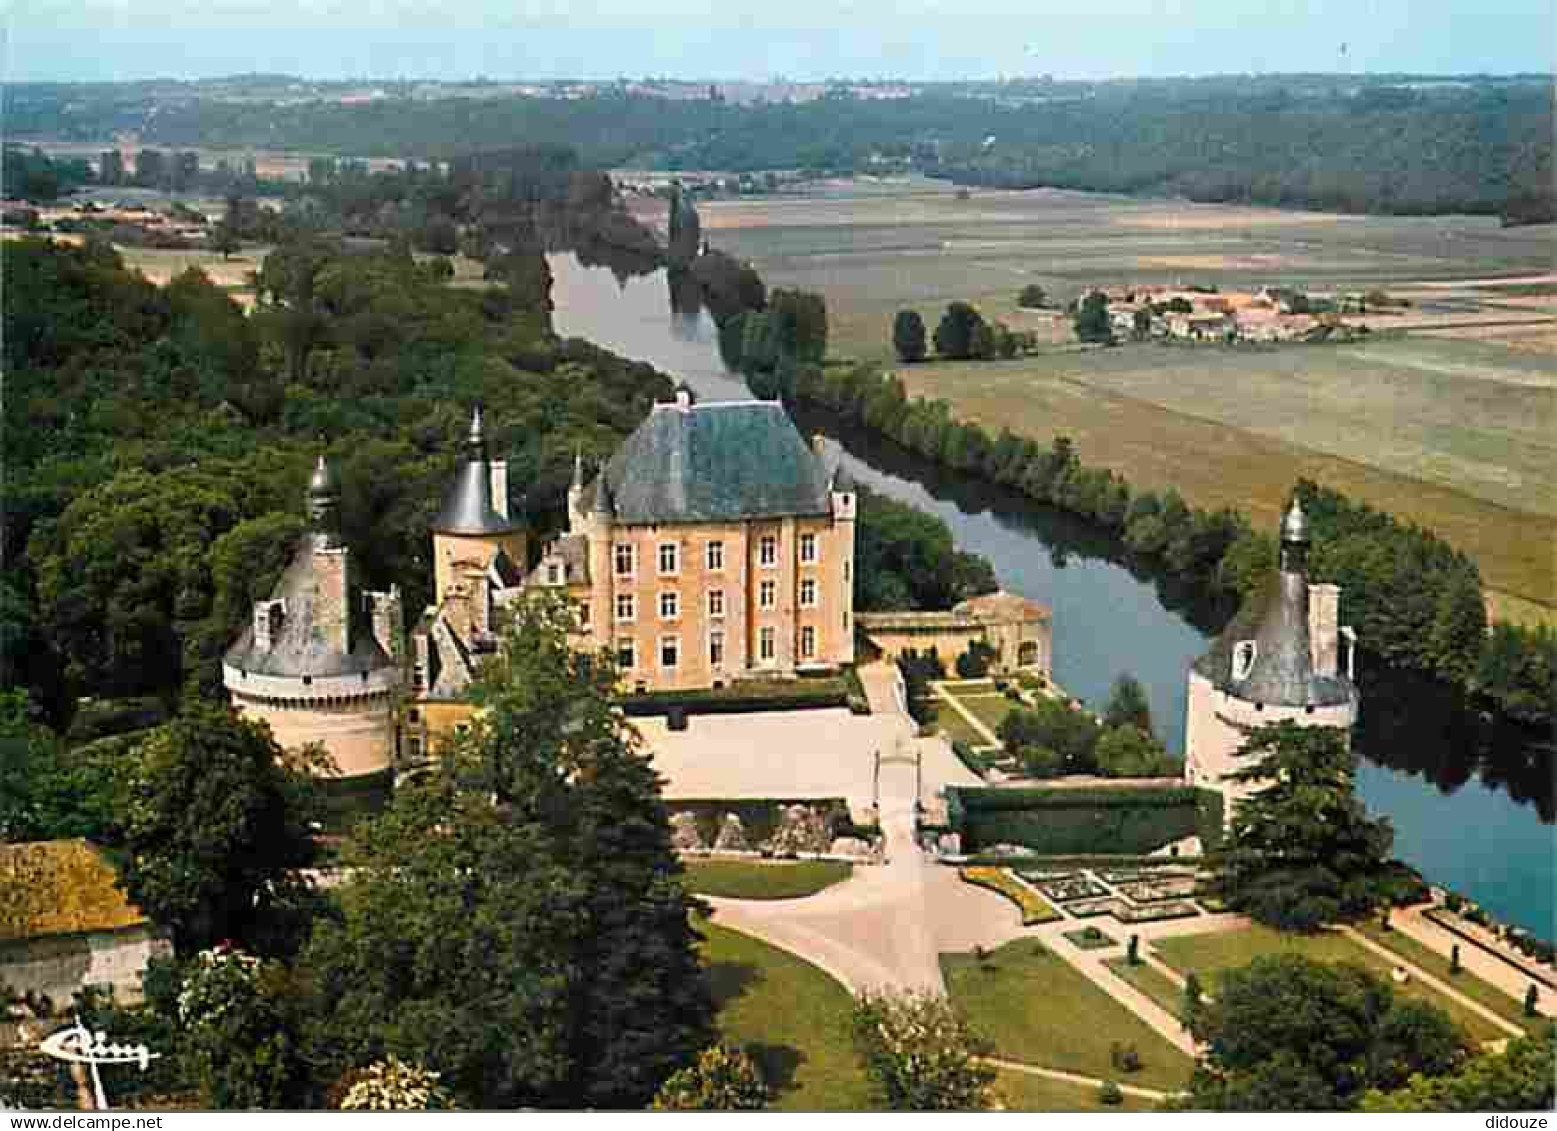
319	661
1285	657
1017	630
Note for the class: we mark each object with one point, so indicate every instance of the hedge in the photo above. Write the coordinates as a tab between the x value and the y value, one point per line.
1090	821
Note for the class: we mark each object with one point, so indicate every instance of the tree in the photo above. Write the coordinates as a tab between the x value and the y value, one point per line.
722	1079
1032	297
46	791
1141	320
955	335
1288	1033
908	338
1128	705
921	1054
1129	752
1092	324
1070	733
236	1032
1194	998
216	820
1532	1000
1302	850
804	317
983	345
516	921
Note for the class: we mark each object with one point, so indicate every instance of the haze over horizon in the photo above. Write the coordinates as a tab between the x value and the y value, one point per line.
804	40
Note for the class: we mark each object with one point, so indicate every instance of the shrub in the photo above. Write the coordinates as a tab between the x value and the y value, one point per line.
921	1053
1532	1000
1124	1057
1108	1093
1454	959
392	1084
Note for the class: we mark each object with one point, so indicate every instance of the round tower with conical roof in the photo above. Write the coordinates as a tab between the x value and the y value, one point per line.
475	522
318	660
1284	657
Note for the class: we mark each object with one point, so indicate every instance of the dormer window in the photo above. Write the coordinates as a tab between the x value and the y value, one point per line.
1244	654
553	573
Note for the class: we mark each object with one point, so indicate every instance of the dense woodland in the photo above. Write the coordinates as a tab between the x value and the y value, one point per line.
1390	144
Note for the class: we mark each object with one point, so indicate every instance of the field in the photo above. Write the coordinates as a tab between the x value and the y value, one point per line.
1037	1009
1449	426
1209	955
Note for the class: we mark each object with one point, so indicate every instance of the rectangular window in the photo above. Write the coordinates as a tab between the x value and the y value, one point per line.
716	602
553	573
670	651
808	549
626	607
626	653
767	550
808	593
807	641
715	555
624	560
670	605
765	647
715	648
668	557
767	594
583	613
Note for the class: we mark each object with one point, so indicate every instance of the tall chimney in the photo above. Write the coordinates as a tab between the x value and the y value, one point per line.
1324	607
499	476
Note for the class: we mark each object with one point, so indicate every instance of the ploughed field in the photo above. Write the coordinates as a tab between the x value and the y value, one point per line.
1450	426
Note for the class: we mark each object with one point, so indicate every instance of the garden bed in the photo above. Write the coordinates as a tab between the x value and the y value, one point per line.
1148	891
1090	938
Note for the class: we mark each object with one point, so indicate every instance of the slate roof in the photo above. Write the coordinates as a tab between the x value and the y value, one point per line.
715	462
297	650
467	507
60	887
1276	618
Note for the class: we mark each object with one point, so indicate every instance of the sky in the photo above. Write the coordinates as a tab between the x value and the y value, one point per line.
94	40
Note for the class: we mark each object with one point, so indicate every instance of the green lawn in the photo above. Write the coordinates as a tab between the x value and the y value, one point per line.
1483	993
1037	1009
1151	982
1211	954
990	710
955	727
764	879
791	1017
1021	1091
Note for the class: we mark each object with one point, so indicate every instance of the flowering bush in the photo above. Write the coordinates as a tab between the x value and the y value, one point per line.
393	1084
922	1054
239	1044
723	1079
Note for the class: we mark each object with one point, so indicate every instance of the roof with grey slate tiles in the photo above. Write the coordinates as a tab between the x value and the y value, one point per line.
714	462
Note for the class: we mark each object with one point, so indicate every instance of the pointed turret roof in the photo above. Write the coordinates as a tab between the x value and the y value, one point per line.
467	508
1276	620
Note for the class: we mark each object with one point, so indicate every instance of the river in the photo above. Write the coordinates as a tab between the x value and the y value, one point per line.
1470	804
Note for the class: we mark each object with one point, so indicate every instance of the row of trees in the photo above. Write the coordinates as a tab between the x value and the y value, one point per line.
1415	600
1056	738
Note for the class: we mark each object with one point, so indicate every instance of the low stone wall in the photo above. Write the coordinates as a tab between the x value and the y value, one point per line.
59	966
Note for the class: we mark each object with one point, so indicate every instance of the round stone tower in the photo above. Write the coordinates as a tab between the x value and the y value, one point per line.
1282	657
318	659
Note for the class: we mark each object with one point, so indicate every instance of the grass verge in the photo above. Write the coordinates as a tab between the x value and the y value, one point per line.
762	879
791	1017
1151	982
1213	953
1021	1091
1038	1009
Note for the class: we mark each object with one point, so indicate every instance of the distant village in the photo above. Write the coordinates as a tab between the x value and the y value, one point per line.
1206	314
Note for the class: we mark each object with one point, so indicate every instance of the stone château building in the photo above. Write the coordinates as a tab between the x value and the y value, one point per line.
318	659
1284	657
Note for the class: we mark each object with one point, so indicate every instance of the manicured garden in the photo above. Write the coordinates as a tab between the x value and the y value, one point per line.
1479	991
1033	907
791	1017
1036	1008
1210	954
1090	938
764	879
